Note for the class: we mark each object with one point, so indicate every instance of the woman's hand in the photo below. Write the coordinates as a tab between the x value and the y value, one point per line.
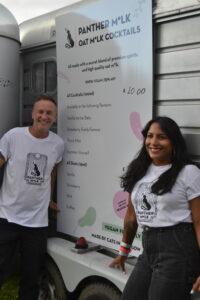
119	263
130	228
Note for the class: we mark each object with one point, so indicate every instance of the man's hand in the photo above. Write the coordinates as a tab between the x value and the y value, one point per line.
54	207
119	263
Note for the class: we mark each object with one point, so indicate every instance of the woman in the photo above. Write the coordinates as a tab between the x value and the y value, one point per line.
164	188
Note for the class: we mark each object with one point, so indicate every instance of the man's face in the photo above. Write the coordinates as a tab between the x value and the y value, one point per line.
44	115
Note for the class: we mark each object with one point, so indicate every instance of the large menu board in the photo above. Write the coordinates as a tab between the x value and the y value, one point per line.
104	57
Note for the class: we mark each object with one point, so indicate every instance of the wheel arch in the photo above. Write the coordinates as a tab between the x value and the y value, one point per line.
77	269
94	279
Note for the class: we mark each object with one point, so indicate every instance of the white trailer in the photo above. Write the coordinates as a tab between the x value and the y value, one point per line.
9	72
90	131
176	81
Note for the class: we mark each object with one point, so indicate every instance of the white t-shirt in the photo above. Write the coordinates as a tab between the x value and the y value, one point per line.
26	188
170	208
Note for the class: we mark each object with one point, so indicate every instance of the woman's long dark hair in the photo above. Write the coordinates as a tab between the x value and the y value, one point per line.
138	167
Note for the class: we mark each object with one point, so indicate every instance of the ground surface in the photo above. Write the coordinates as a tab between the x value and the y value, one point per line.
9	290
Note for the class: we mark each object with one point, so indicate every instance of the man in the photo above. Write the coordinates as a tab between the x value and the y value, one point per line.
30	155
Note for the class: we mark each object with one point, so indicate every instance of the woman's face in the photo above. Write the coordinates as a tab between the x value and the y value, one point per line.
158	145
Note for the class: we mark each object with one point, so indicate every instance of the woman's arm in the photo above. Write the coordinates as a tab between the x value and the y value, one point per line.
2	160
130	223
195	210
130	229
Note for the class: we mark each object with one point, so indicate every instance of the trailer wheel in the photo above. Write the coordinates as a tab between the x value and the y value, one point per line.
51	283
99	291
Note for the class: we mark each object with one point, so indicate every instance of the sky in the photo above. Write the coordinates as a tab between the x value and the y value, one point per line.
27	9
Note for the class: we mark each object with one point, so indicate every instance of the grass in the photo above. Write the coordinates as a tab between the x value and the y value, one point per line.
9	291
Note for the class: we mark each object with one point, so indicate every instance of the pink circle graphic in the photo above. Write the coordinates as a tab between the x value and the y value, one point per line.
120	202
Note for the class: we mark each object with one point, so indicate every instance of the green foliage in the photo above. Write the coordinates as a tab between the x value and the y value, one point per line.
9	290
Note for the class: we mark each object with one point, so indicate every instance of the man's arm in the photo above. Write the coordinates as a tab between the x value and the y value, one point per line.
2	160
52	203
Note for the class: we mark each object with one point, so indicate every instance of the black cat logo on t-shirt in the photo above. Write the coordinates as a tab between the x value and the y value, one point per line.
145	203
35	168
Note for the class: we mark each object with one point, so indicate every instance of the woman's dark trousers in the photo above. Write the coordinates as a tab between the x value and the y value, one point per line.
168	267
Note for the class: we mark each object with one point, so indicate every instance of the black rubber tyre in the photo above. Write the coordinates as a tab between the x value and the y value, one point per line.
99	291
51	283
